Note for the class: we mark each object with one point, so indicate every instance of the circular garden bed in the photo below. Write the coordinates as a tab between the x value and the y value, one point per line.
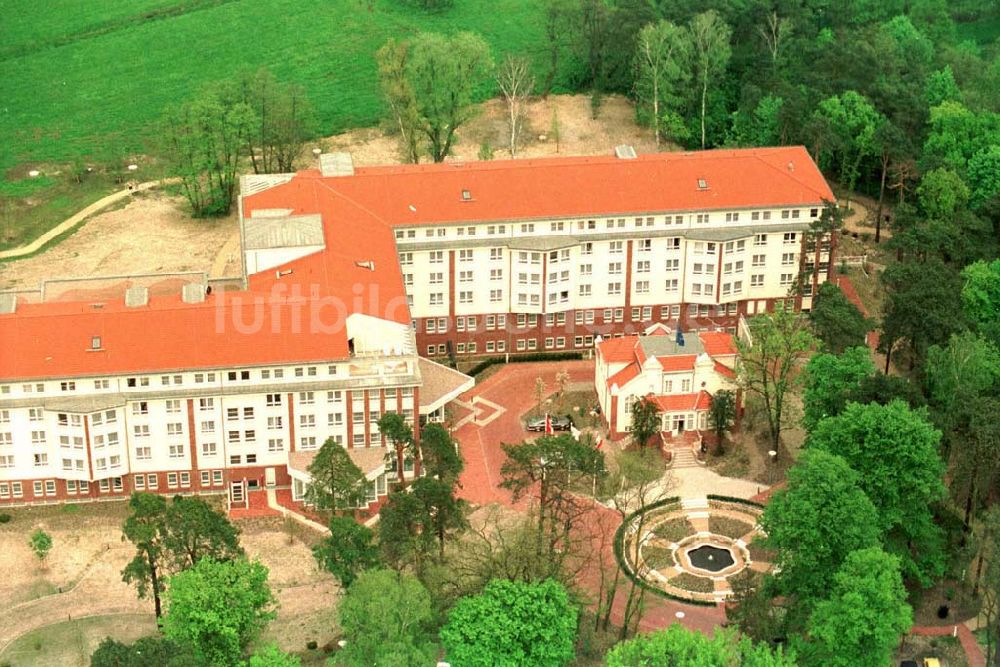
687	550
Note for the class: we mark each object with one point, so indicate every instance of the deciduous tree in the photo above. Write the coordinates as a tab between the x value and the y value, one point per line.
512	623
397	90
283	118
219	608
40	543
896	450
444	73
831	380
768	364
813	524
516	83
387	619
861	623
661	67
721	415
850	123
679	647
645	421
710	49
203	141
144	652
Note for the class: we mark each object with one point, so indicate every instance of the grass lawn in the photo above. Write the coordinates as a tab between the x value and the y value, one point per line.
70	643
674	530
90	79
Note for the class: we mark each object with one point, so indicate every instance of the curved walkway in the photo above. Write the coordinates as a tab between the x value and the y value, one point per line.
81	215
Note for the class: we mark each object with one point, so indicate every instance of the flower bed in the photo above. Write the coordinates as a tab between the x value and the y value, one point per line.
673	530
729	527
693	583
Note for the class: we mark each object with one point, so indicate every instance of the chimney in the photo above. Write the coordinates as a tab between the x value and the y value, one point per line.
336	164
136	296
193	293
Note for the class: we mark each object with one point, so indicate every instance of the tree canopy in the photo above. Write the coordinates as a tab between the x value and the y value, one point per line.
218	608
831	380
349	550
512	623
387	619
337	483
895	449
678	647
837	321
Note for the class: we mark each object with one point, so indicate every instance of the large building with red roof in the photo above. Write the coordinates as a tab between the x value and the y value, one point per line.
679	373
353	276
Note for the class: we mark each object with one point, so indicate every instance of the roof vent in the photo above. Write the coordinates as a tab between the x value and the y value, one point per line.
791	166
368	264
279	273
193	293
625	152
466	195
8	303
136	296
336	164
702	184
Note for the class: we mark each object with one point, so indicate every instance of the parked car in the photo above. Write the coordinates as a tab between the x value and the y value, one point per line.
537	425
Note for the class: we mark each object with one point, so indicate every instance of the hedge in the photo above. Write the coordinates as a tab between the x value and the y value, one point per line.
642	583
523	358
738	501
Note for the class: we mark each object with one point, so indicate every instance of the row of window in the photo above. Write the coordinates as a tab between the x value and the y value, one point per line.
639	222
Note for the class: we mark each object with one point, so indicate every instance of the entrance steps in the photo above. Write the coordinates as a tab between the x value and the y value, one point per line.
683	457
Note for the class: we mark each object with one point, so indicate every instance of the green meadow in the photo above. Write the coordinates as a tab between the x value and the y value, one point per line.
88	80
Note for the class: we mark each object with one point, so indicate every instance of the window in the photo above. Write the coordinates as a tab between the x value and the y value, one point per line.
208	449
307	397
758	260
141	430
38	437
614	289
67	386
760	239
496	253
733	217
787	258
786	278
587	249
175	428
790	237
173	406
642	267
757	280
208	426
645	245
642	287
275	445
171	479
465	255
273	400
140	408
101	384
615	268
406	258
615	247
143	453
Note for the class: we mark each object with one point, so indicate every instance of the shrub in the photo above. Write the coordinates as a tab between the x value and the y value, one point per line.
312	645
657	557
732	528
674	530
5	518
693	583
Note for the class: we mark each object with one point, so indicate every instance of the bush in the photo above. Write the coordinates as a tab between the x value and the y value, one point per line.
657	557
5	518
674	530
690	582
732	528
312	645
523	358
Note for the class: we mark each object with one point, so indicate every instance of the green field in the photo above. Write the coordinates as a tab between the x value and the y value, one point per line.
70	643
88	79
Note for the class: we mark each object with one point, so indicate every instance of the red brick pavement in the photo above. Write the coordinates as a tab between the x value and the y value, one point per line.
973	651
513	388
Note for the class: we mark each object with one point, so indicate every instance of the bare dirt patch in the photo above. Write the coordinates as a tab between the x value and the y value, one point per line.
88	556
151	234
579	132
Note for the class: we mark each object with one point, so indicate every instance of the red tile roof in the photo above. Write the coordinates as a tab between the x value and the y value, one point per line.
724	370
677	363
681	402
617	350
717	343
271	322
579	186
624	376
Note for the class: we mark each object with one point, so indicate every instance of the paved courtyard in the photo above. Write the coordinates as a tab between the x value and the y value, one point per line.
498	405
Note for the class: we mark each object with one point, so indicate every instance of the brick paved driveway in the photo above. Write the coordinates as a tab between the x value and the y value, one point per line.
512	388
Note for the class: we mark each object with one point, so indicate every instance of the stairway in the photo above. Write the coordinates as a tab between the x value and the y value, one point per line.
683	458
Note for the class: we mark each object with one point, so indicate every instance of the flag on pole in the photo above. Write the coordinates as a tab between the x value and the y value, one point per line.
548	424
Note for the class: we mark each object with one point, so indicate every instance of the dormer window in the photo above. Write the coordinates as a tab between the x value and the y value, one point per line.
466	195
702	184
95	342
